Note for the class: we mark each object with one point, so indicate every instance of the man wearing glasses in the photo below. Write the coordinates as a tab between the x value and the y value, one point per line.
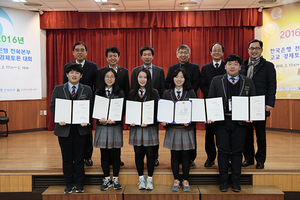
263	75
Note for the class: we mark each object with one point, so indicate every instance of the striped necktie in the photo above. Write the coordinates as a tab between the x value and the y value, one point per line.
73	92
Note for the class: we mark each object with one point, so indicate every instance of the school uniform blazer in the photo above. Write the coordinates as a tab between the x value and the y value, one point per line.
62	92
192	70
88	76
218	88
208	71
123	78
170	95
158	78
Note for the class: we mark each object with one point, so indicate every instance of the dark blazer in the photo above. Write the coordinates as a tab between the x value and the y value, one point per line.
170	95
192	70
62	92
89	74
208	71
123	78
218	88
158	78
264	79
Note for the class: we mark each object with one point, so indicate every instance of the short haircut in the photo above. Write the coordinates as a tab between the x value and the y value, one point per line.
256	40
183	46
144	48
233	57
211	47
113	50
79	43
74	67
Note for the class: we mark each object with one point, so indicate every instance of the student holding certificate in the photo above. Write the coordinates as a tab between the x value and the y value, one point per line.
109	134
72	137
144	138
180	138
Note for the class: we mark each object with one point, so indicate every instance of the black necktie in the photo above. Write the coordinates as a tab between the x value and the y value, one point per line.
217	65
73	92
232	80
178	95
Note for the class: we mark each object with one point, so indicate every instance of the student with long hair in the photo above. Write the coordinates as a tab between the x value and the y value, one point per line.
180	138
144	138
109	134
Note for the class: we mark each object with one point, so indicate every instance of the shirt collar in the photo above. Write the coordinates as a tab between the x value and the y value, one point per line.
150	67
214	63
70	86
116	70
236	78
175	90
82	64
110	89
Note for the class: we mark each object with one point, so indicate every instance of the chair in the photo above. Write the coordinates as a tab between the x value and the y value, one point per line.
4	120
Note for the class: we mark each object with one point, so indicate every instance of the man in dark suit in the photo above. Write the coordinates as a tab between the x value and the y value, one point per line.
208	71
72	137
230	135
88	78
112	56
157	76
263	75
183	54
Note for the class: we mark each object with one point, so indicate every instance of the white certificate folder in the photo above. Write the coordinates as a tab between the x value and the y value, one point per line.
139	113
214	109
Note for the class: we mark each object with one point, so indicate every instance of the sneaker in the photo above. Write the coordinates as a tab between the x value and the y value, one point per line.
79	188
116	184
142	183
149	184
186	186
224	186
69	188
236	187
176	186
106	183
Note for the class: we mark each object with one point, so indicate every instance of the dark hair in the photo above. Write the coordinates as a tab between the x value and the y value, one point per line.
256	40
113	50
183	46
211	47
144	48
101	90
149	88
186	85
79	43
233	57
74	67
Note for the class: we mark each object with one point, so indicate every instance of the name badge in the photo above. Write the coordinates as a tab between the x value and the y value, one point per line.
229	104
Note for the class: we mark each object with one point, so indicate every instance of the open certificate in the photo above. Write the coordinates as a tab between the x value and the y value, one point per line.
100	107
108	108
183	112
257	108
240	108
165	111
214	109
63	110
198	110
116	109
81	111
139	112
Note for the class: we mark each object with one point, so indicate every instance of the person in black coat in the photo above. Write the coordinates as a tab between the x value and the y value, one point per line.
88	78
263	75
208	71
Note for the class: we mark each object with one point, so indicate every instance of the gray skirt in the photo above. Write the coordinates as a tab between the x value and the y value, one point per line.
147	136
108	136
179	139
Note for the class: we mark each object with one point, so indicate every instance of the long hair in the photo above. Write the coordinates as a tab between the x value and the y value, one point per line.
186	85
149	88
101	90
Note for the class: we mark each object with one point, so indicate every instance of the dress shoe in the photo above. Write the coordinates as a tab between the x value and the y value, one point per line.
246	163
122	163
209	163
236	187
260	165
192	163
224	186
156	163
88	162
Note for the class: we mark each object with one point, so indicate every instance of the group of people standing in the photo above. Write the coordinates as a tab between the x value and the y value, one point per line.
232	77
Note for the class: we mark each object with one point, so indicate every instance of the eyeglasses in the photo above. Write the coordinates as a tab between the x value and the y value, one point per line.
79	50
256	48
109	77
183	52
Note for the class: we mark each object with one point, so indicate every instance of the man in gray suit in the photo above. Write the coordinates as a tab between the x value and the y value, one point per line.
72	137
157	75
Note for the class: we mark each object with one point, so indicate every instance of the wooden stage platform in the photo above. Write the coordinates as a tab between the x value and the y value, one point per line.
31	161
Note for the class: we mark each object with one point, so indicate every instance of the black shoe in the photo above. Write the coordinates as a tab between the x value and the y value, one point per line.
246	163
224	186
69	188
121	163
260	165
192	163
209	163
236	187
156	163
88	162
79	188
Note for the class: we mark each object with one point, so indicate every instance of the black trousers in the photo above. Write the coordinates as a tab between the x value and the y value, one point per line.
230	137
113	156
72	150
176	158
140	152
210	147
260	130
88	150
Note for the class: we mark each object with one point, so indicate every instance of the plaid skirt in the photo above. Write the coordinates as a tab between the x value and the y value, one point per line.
147	136
179	139
108	136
